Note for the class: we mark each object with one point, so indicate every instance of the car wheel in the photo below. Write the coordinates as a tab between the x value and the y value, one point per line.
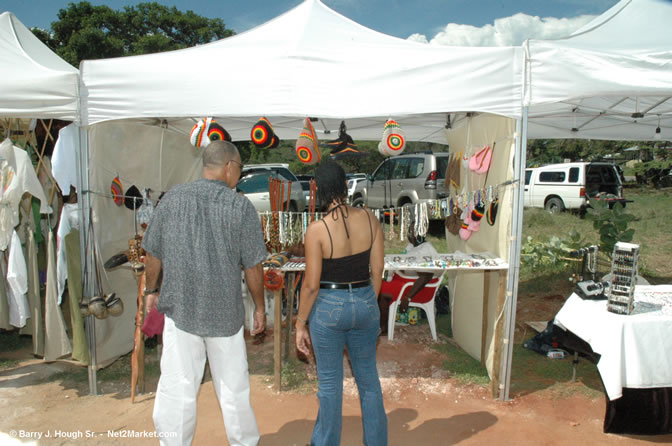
358	202
554	205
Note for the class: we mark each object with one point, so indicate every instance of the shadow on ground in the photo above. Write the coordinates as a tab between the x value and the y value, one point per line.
444	431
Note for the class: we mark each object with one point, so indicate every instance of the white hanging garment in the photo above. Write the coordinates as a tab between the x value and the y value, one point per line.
17	176
69	221
4	304
56	342
34	298
17	278
64	159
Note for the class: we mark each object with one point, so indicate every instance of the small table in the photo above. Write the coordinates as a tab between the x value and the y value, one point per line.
635	350
472	262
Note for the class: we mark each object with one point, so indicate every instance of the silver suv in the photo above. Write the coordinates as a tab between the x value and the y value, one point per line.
403	180
254	183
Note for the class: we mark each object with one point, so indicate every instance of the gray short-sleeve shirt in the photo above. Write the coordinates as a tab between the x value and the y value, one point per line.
204	232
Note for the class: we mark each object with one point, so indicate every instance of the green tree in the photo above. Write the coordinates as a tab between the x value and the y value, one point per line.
84	31
548	151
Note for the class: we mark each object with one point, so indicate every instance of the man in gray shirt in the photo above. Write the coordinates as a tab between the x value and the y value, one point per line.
200	236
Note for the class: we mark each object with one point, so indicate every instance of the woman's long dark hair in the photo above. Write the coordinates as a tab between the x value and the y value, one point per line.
331	186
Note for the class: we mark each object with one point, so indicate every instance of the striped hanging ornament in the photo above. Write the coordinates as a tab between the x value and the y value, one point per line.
263	136
207	130
117	191
394	139
307	145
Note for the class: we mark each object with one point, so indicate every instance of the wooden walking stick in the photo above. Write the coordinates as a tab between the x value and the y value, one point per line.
138	355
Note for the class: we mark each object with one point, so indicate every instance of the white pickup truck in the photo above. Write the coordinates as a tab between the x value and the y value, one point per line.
557	187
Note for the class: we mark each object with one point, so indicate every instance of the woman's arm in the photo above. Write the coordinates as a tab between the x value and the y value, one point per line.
377	258
310	287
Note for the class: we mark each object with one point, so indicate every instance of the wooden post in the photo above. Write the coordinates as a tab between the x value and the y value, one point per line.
499	334
277	337
484	317
290	308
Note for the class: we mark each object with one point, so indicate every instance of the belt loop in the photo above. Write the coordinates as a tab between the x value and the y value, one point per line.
350	287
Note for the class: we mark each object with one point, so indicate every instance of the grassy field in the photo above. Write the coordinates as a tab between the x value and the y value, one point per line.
653	230
542	293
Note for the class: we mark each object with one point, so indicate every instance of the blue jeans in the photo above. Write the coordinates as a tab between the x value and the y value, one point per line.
343	318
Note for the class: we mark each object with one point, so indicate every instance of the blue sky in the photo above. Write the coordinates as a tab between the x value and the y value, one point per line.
460	22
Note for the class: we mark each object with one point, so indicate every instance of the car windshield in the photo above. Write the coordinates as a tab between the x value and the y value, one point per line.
254	182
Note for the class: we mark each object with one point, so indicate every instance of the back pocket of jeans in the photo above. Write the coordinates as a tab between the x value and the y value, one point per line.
328	313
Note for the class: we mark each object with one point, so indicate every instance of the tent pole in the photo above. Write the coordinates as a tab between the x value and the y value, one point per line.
519	163
83	198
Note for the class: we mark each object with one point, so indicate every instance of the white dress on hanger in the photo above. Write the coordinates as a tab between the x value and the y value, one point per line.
64	158
17	177
17	278
69	221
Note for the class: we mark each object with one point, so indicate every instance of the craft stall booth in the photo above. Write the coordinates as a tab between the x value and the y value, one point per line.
137	114
612	80
36	88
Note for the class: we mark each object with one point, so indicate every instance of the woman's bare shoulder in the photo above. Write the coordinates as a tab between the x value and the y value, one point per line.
315	227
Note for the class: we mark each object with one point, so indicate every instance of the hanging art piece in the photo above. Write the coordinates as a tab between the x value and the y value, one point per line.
117	191
263	136
394	139
491	214
343	146
132	198
207	130
307	145
480	161
453	171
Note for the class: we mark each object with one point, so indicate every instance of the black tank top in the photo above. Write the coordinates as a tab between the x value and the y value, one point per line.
352	268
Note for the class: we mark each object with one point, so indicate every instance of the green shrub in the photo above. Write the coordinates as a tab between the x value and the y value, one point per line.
544	254
612	224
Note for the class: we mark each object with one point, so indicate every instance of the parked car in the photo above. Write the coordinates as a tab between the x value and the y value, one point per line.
557	187
254	183
352	185
403	180
305	186
350	176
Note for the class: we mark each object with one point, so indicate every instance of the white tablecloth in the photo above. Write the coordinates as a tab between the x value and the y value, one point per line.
636	349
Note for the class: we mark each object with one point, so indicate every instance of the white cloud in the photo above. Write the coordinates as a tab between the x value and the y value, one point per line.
507	31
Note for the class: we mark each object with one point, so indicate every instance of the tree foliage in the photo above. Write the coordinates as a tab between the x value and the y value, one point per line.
84	31
548	151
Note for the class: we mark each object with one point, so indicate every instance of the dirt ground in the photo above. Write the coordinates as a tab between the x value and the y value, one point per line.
425	406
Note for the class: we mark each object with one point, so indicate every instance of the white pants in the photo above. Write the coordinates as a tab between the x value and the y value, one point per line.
182	366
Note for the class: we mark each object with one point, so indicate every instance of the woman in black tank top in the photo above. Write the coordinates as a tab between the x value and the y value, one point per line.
344	267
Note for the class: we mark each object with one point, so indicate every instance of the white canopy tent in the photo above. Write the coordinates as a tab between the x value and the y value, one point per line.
612	79
310	60
34	81
322	64
136	112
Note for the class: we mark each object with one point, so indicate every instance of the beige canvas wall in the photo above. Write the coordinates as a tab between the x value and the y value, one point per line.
147	157
468	136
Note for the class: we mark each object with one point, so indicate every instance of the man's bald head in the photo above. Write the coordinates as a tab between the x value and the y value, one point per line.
218	153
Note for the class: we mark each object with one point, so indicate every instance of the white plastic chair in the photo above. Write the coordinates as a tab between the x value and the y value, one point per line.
424	300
